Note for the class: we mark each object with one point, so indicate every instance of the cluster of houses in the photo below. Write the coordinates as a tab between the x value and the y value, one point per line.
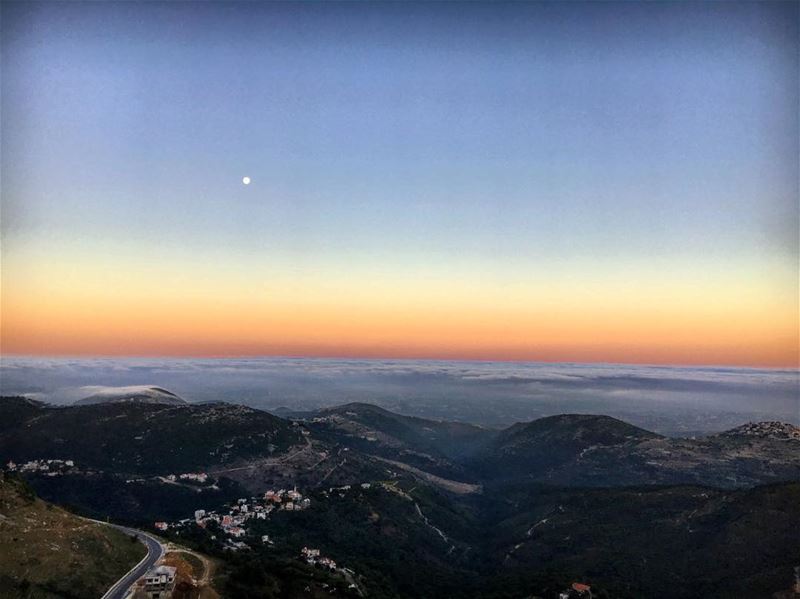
46	467
286	500
233	523
313	557
340	491
197	477
189	478
234	520
577	590
778	430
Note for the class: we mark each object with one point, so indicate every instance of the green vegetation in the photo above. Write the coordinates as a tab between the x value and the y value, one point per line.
528	539
256	576
101	495
142	438
436	447
599	451
562	499
449	439
49	553
651	541
16	410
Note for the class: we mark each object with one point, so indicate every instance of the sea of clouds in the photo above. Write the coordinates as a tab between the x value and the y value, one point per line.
671	399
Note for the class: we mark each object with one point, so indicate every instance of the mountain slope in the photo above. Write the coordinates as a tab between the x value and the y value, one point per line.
764	430
602	451
17	409
571	449
361	420
48	552
564	437
138	393
531	524
431	445
676	542
558	448
141	438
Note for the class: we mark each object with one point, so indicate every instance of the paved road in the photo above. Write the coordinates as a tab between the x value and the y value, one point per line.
154	553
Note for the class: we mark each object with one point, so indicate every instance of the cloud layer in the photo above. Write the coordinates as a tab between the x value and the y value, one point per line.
665	398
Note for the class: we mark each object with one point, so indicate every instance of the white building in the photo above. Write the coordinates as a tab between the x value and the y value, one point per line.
159	581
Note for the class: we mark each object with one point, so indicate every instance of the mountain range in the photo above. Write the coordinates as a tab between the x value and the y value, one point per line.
472	511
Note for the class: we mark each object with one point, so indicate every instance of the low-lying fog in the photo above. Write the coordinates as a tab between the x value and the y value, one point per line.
670	400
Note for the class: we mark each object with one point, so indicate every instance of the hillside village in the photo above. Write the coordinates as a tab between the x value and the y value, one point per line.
231	528
771	428
233	523
263	506
46	467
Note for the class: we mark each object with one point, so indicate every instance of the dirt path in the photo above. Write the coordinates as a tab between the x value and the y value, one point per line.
438	530
208	565
324	478
453	486
266	461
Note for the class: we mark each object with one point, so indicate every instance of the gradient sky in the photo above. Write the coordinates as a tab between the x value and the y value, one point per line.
559	182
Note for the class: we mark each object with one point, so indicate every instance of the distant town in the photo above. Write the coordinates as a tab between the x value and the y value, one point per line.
49	467
235	522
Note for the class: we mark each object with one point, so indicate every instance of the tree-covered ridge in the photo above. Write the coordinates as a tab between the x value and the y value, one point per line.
142	438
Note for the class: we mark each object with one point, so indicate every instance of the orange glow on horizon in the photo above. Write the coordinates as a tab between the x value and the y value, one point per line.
97	305
286	181
501	330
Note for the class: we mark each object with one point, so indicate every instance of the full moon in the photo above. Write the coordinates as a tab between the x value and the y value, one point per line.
246	180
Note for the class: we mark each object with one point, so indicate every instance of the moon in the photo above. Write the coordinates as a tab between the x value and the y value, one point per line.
246	180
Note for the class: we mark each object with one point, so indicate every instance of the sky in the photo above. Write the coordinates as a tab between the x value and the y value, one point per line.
570	182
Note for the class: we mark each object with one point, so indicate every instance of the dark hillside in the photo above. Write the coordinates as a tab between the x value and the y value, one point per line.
449	439
677	542
585	450
143	438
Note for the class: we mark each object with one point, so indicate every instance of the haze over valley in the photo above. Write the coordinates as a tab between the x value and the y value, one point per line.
668	400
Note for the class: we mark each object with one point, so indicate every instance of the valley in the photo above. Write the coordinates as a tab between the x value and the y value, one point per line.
408	507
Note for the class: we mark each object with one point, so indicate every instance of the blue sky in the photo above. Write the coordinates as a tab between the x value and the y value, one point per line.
448	137
360	121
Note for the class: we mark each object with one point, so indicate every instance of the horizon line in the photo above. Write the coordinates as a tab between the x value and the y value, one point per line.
792	367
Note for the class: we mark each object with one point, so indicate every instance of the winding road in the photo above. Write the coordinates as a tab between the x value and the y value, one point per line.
155	550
